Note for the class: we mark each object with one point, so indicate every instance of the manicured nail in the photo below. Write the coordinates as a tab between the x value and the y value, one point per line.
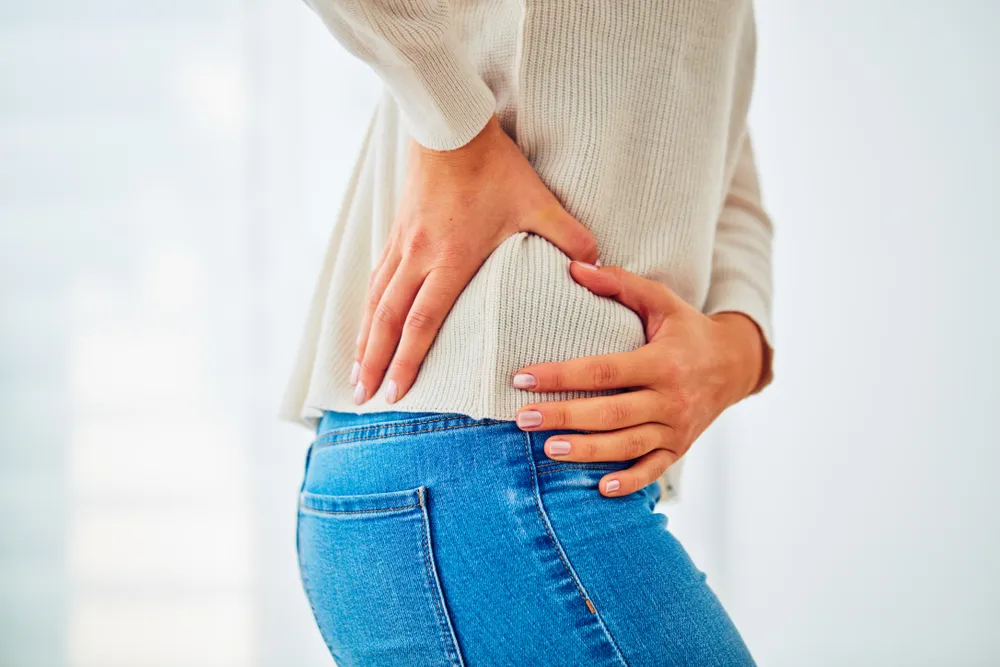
359	393
391	391
598	262
355	372
584	265
529	418
525	381
559	447
612	485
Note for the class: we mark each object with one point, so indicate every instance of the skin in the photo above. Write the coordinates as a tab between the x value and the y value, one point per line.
456	208
691	369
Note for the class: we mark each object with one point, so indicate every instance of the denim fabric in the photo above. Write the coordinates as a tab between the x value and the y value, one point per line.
438	539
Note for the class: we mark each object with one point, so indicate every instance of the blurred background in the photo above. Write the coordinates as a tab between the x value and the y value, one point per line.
169	173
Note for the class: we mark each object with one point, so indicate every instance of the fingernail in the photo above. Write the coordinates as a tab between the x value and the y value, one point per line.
525	381
355	372
612	485
391	391
529	418
559	447
598	262
589	267
359	393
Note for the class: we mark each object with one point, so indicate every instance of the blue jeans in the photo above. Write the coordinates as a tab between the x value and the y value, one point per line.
438	539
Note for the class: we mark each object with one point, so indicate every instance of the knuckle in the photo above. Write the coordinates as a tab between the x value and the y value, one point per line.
556	381
591	450
671	369
368	368
603	374
404	366
634	445
420	319
614	414
386	314
683	406
418	242
374	297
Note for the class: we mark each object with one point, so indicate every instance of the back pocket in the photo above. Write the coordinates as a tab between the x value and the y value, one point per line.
369	572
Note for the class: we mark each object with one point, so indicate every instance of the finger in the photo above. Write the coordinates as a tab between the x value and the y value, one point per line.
623	445
563	231
640	294
606	371
377	283
646	471
431	305
378	265
602	413
386	327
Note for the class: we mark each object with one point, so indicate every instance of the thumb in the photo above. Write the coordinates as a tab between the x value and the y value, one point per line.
646	297
563	231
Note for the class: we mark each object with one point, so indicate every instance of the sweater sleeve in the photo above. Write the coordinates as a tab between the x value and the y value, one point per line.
741	259
414	48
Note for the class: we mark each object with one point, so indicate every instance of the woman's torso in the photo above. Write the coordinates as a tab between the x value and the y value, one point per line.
635	124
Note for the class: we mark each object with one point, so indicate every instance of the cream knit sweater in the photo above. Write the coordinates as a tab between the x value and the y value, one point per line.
633	112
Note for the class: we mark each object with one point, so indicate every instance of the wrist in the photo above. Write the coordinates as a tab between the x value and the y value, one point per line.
471	155
743	345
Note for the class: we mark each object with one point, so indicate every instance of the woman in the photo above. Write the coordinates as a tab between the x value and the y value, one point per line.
496	413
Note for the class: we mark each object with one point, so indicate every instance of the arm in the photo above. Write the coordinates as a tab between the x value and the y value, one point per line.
694	365
412	46
455	207
741	262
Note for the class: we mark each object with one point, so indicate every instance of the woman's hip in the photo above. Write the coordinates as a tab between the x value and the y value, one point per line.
440	539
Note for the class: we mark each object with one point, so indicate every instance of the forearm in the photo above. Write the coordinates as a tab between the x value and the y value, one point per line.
741	280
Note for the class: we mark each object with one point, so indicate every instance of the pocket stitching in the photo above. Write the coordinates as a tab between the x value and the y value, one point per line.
313	510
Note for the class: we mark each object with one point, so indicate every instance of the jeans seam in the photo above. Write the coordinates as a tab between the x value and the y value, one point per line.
346	430
380	436
570	466
562	555
444	623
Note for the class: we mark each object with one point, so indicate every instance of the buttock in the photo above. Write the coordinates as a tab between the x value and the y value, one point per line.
436	539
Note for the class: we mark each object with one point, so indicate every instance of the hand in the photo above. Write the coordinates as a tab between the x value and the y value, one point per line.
456	208
691	369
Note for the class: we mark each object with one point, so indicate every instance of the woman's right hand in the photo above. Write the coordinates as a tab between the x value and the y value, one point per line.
456	207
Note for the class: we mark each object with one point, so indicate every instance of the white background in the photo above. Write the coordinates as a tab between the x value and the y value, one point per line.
168	177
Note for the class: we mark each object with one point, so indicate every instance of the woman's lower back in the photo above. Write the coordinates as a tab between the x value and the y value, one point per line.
438	539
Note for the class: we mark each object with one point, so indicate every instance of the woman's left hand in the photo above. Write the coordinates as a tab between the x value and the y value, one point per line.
692	368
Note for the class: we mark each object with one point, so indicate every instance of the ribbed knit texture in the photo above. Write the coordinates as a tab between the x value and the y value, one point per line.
633	113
